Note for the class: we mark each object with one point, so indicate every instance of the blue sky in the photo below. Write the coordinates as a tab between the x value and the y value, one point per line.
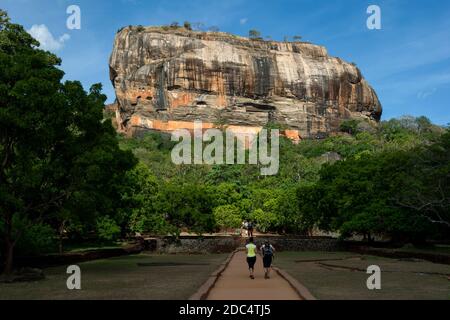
407	61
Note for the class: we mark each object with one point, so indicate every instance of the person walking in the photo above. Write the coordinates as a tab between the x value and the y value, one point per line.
250	227
251	256
244	228
267	252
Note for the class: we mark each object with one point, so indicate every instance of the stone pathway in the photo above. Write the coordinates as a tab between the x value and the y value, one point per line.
235	284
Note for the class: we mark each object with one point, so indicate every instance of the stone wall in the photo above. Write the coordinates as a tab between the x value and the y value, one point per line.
228	244
193	245
302	244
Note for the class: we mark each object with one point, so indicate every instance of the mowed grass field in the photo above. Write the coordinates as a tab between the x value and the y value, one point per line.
143	276
342	276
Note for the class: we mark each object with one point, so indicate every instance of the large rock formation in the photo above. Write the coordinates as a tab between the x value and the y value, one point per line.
167	78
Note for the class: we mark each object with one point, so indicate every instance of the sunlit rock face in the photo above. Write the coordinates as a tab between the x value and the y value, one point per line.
166	79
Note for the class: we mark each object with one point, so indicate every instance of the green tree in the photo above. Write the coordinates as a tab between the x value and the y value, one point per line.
107	228
296	210
57	154
186	205
359	196
349	126
265	220
227	216
39	237
226	193
187	25
140	192
254	34
427	188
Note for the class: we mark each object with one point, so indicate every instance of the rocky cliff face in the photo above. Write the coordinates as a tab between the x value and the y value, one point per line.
166	79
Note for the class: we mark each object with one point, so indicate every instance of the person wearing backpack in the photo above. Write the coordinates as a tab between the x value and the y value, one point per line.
267	252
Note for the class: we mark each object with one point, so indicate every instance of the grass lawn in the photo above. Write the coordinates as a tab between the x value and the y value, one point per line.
440	249
143	276
86	246
341	276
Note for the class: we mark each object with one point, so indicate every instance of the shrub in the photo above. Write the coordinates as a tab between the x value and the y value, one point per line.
349	126
143	221
174	25
265	221
254	34
107	229
38	238
227	216
187	25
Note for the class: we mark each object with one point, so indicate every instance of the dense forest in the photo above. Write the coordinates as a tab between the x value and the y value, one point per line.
388	180
66	174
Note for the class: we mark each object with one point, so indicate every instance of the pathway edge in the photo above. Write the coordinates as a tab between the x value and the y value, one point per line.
301	290
204	290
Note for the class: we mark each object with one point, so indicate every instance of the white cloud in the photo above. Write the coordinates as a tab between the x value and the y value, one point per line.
243	21
426	94
44	36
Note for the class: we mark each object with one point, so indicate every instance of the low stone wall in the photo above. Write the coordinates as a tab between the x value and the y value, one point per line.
229	244
302	244
193	245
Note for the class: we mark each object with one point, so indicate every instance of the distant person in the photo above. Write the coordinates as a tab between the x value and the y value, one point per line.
251	257
250	227
267	252
245	227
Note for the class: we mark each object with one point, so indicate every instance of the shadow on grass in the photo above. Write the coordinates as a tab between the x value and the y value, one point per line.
170	264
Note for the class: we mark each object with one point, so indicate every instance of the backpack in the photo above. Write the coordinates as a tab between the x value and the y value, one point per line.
267	250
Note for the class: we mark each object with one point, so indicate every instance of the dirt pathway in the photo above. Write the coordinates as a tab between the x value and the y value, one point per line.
235	284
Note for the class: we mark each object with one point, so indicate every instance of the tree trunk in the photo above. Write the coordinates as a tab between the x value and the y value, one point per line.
9	246
9	257
61	250
61	233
